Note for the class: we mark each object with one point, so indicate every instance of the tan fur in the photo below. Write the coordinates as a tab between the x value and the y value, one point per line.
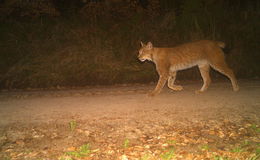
204	54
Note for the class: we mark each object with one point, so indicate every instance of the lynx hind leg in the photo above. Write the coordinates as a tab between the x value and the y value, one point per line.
171	80
204	71
224	69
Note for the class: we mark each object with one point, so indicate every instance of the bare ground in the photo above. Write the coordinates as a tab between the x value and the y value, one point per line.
122	122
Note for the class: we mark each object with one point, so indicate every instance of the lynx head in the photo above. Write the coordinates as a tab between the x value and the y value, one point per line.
145	52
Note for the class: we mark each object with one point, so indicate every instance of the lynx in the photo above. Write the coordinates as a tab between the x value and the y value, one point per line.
168	61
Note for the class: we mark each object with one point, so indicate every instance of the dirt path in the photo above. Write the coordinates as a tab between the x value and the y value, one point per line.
121	122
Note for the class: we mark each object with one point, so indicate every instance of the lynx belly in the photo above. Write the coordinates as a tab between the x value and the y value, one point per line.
182	66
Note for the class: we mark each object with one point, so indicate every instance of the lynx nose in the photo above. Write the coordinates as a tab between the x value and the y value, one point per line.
139	56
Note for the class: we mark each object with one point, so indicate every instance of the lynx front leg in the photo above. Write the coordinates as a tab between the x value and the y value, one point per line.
171	84
161	82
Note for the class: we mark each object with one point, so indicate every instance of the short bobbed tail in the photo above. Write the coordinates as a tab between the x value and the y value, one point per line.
221	44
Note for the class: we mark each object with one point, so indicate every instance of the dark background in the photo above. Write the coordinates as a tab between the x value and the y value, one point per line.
50	43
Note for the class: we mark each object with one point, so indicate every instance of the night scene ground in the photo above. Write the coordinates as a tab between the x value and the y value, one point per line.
73	87
122	122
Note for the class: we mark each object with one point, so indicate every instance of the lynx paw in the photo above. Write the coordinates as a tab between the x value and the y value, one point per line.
236	89
152	94
176	87
198	92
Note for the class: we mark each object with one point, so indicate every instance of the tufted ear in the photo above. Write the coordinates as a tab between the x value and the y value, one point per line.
149	45
141	43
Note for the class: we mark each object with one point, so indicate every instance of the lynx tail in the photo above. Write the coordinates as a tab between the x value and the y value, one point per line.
221	44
